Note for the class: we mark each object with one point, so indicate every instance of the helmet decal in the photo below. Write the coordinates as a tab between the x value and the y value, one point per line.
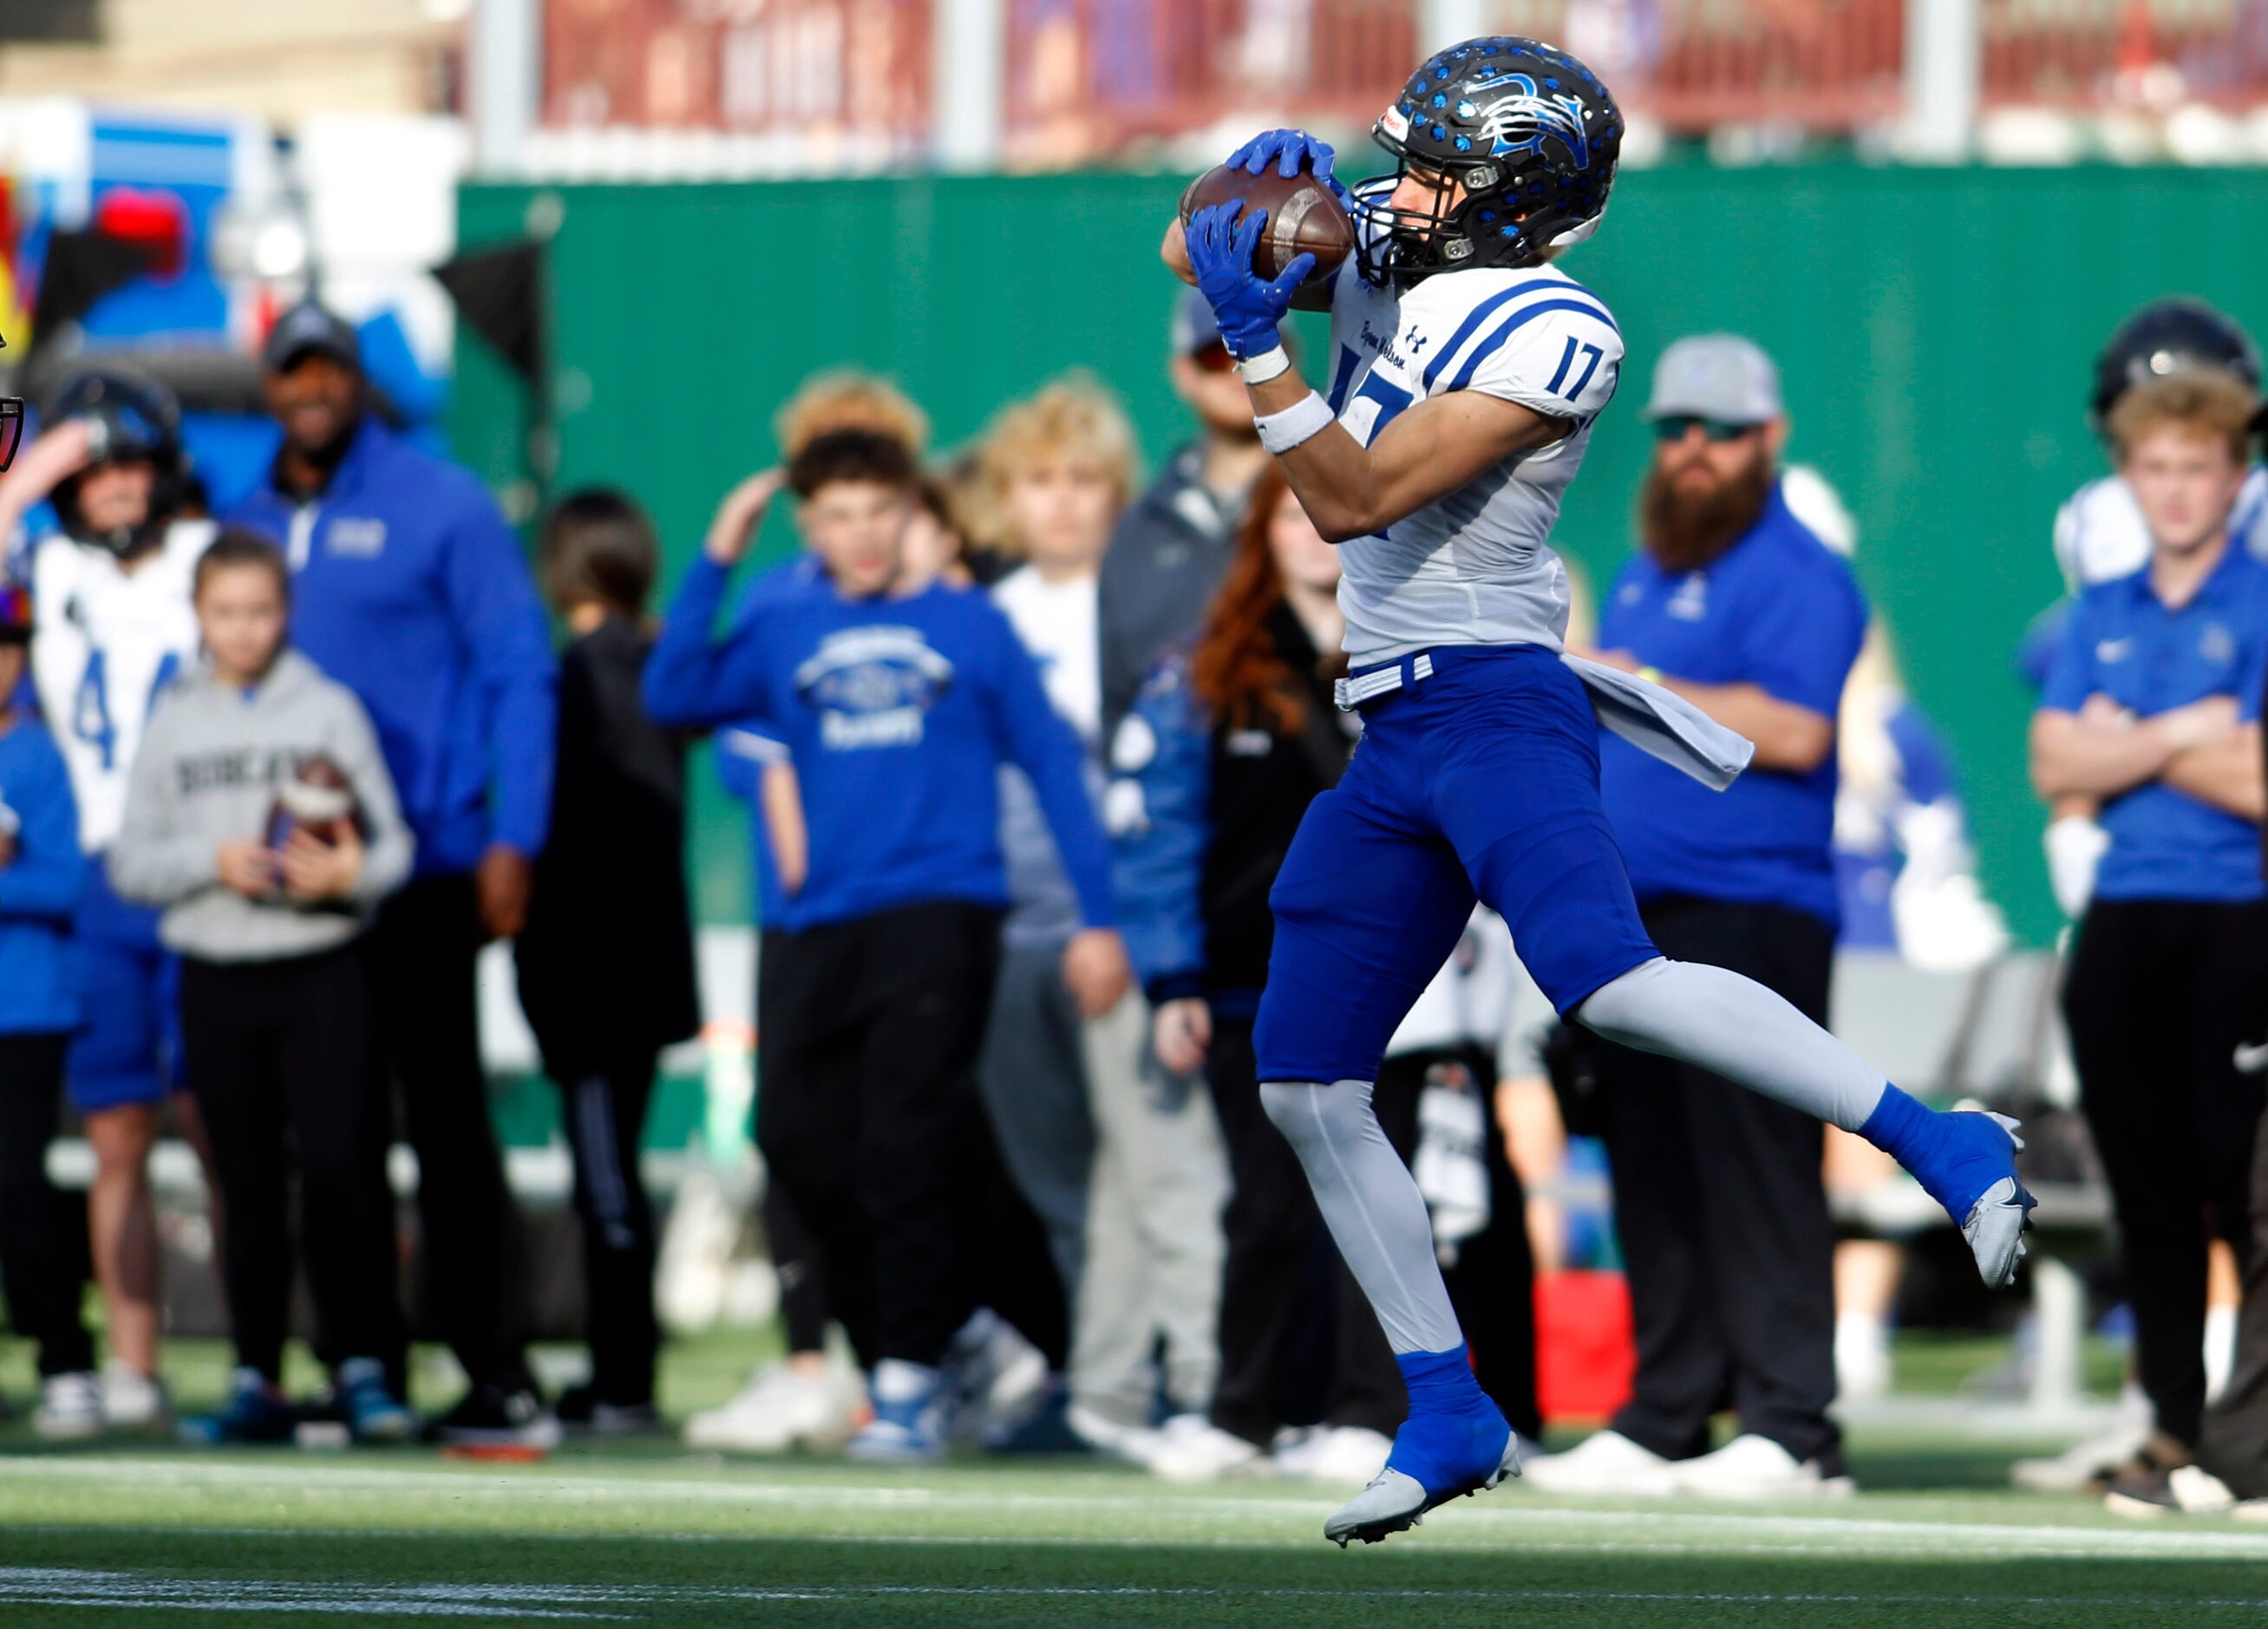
1520	122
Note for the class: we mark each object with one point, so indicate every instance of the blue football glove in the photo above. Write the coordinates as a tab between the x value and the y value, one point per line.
1247	306
1288	150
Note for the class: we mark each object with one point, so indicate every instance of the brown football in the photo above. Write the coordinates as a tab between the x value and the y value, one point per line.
1303	216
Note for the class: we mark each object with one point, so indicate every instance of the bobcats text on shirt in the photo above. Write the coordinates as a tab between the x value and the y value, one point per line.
108	642
1474	567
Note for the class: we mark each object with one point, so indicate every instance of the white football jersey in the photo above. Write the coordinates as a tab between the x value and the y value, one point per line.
106	642
1474	567
2100	535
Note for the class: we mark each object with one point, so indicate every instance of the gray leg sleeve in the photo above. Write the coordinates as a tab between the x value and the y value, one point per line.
1732	1024
1371	1206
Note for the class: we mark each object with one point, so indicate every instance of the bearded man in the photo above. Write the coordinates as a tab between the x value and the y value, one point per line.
1733	603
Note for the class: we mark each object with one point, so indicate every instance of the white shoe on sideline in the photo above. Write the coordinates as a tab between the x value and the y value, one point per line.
1345	1454
1206	1452
69	1407
2084	1466
781	1408
133	1401
1136	1445
1605	1462
1755	1467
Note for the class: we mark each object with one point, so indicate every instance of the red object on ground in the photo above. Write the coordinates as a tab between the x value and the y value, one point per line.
1585	1351
497	1453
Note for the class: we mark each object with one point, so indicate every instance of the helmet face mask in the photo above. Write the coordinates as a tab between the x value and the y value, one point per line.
1530	140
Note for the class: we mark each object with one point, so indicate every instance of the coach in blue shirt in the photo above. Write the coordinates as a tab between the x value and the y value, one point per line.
1733	603
2152	710
409	588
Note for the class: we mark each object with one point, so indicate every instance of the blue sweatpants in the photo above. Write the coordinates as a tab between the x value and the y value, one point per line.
1480	779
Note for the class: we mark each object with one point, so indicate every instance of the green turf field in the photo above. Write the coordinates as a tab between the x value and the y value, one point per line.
151	1534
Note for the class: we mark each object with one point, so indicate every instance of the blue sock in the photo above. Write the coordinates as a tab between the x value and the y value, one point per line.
1454	1436
1956	1157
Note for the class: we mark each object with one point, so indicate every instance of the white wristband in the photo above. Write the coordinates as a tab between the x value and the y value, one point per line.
1268	364
1304	420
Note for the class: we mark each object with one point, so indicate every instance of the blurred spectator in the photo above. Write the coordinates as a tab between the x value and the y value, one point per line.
409	589
898	710
1124	1167
118	626
611	880
42	1242
1737	605
847	399
1169	551
2152	711
1227	746
260	818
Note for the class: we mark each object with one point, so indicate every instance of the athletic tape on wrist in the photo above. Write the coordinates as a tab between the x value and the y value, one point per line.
1304	420
1267	366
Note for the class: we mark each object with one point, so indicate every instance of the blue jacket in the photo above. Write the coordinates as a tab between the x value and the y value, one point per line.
411	591
1160	841
745	747
898	714
40	889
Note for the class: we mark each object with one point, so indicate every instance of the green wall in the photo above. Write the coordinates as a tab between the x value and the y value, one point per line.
1934	328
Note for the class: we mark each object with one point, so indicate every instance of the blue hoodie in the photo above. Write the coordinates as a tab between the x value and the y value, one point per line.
40	889
898	714
411	591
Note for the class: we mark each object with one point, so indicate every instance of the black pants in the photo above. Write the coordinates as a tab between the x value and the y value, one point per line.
2159	996
422	954
279	1056
1726	1234
43	1256
868	1112
1274	1233
602	1106
2234	1443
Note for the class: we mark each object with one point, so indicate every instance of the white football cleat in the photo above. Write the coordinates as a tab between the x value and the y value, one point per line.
69	1407
1395	1501
1606	1462
1755	1467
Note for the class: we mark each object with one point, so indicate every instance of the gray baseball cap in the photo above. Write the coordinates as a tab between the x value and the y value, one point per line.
1719	376
307	328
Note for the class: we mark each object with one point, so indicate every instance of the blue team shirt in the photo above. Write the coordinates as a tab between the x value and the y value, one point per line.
897	714
2122	641
746	747
409	589
1780	610
40	889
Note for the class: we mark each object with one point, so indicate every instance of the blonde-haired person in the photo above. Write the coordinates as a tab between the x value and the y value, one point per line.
847	399
1127	1174
2152	708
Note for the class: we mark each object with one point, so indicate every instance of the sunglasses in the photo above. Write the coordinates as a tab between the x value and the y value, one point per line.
1674	426
1214	358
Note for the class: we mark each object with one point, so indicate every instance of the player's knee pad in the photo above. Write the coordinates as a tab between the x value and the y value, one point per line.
1314	1117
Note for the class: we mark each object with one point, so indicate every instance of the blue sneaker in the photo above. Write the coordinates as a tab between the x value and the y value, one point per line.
908	1427
372	1414
255	1411
1454	1444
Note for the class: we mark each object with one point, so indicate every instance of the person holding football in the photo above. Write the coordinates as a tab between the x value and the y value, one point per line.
1466	373
260	817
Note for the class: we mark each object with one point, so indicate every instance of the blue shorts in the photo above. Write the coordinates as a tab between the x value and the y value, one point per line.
127	1050
1480	779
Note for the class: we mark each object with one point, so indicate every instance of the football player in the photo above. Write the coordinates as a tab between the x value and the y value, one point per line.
1466	373
114	584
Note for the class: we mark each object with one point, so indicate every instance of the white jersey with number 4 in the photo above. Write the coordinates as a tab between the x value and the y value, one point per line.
105	642
1474	567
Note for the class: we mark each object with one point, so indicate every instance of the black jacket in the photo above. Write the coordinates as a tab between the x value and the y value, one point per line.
606	962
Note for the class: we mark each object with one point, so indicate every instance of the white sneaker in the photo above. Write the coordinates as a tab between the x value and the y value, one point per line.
133	1401
1754	1467
1345	1453
2087	1464
69	1407
781	1408
1206	1452
1136	1445
1605	1462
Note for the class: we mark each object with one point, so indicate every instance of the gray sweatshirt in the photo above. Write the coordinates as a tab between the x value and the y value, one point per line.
207	771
